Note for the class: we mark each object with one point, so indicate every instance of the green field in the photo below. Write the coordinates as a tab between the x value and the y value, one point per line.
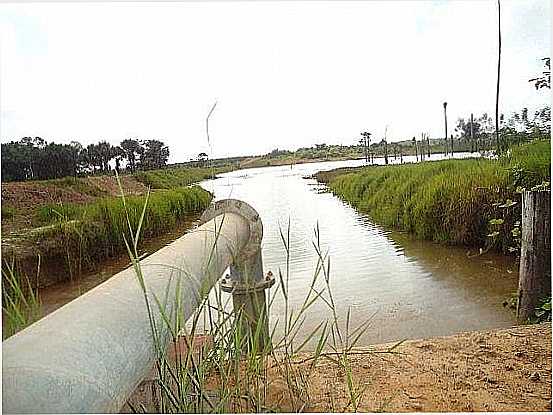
448	201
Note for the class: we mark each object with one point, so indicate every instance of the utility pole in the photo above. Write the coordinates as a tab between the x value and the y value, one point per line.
385	145
471	134
498	148
445	122
428	143
366	142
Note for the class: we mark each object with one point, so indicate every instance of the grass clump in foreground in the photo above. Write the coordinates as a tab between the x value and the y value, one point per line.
237	372
20	302
86	233
448	201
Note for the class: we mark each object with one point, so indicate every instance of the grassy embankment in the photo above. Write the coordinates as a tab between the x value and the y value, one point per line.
96	230
75	223
57	229
449	201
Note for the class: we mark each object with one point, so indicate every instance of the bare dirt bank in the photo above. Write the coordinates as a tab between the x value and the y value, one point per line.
507	370
499	370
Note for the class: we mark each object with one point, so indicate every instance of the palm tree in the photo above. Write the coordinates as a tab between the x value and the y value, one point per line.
131	149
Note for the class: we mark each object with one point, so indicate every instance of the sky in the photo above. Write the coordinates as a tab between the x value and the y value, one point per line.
284	74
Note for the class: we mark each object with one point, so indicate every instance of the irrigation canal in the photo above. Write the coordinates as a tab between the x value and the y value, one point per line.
412	289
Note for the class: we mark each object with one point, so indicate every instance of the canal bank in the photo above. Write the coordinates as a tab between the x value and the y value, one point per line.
501	370
505	370
448	201
407	288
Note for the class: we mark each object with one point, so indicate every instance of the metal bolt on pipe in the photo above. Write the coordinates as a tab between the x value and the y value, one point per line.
89	355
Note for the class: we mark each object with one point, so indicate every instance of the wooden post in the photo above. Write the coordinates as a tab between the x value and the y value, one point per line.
534	282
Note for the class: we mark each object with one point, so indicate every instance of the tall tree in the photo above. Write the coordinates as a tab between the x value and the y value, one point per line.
543	81
93	157
105	151
155	154
75	151
118	154
132	150
15	161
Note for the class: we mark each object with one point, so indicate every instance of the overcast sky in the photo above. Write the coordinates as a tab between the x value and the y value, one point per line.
284	74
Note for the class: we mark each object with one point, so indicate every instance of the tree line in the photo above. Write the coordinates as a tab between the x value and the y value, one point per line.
519	127
35	159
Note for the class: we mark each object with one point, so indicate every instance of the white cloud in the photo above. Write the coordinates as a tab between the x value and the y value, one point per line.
285	74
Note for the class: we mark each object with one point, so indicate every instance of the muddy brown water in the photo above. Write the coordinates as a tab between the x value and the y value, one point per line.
409	288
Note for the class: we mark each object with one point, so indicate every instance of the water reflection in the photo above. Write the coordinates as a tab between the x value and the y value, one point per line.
412	288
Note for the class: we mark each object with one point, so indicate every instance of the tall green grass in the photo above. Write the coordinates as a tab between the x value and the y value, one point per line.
86	233
236	372
448	201
8	212
528	164
177	177
76	184
20	302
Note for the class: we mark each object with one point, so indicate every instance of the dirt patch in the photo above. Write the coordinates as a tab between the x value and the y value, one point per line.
507	370
500	370
25	197
109	185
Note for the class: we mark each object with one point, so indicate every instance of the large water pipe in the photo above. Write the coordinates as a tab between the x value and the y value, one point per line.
89	355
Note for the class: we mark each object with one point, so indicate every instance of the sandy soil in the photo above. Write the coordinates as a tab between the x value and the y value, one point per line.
500	370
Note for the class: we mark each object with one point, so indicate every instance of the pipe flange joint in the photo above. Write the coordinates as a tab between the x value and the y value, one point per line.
247	212
230	285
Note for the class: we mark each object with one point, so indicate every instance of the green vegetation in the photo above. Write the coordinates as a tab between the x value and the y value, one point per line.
235	371
85	233
8	212
177	177
35	159
448	201
20	303
542	312
77	184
